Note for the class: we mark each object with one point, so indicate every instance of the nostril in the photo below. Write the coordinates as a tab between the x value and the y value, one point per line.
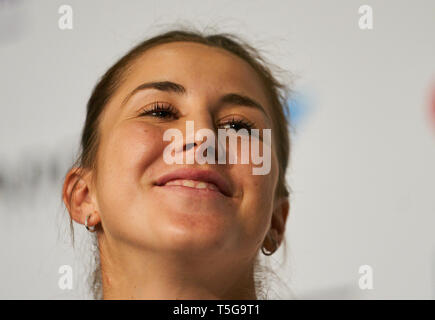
188	146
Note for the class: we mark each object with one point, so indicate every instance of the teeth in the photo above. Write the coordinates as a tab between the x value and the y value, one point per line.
189	183
212	186
201	185
192	184
173	183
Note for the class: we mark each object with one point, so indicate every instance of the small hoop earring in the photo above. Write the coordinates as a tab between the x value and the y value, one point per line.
275	244
90	229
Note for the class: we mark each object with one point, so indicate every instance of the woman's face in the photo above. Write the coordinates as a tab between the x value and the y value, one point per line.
135	207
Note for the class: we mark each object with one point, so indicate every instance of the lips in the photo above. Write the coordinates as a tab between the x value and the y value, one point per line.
196	178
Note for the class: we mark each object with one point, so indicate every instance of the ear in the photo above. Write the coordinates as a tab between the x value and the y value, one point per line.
77	197
278	223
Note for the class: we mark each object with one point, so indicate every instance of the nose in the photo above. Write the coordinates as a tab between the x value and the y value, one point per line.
200	129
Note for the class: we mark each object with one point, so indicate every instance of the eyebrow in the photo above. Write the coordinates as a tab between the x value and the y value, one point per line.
169	86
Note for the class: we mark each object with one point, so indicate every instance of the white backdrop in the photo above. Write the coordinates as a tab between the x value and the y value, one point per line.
363	159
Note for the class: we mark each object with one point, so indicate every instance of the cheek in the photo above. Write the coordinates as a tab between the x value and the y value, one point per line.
258	196
124	156
128	150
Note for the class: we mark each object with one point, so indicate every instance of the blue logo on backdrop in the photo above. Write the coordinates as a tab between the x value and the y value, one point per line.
300	106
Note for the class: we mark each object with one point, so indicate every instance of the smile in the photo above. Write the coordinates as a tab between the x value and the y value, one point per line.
192	184
198	180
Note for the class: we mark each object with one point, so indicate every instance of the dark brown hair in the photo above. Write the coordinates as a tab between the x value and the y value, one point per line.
277	93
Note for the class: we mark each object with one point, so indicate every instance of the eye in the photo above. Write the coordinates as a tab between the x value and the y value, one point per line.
160	110
238	124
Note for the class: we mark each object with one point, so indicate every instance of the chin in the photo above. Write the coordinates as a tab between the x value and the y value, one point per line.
207	234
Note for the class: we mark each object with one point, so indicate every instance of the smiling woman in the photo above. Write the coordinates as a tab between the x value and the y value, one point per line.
180	231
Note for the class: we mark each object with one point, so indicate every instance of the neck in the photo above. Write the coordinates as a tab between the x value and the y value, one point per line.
130	273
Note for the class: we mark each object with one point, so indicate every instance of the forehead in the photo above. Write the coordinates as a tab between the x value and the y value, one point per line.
198	67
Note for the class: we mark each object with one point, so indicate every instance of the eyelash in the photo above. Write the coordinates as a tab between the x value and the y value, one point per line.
163	111
158	107
245	124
